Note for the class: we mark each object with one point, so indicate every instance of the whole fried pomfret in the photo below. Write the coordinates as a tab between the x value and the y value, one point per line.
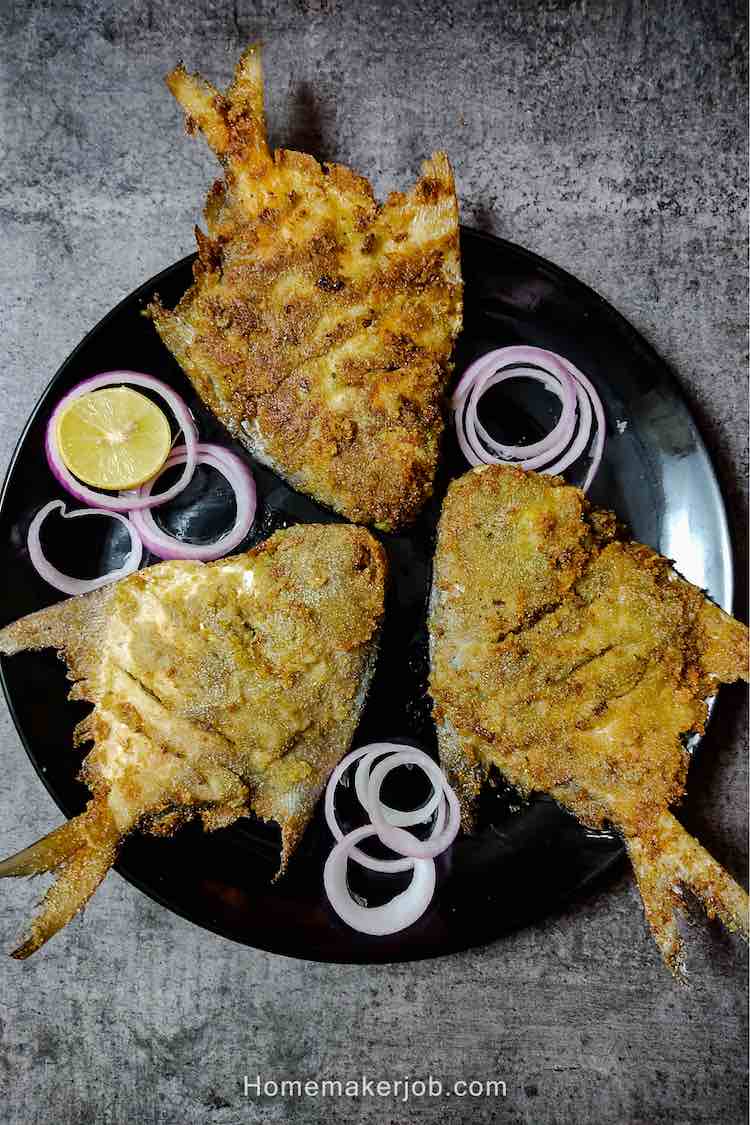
218	689
320	324
575	662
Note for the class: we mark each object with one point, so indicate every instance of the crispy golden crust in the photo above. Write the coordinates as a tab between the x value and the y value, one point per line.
573	661
320	324
218	689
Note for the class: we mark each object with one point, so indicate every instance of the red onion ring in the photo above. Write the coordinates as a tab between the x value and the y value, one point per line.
398	839
237	474
402	910
564	444
121	503
368	753
64	582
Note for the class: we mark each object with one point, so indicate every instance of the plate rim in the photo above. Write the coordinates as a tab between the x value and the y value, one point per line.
610	863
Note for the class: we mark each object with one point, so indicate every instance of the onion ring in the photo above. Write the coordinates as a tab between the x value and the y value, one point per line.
362	858
402	910
398	839
64	582
236	472
392	816
121	503
564	444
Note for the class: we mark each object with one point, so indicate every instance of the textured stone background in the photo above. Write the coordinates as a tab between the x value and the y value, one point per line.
609	136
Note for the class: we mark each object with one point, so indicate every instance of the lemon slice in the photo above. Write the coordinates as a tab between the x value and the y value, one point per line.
114	438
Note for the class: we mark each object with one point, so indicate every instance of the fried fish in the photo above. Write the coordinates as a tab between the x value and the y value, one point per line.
218	689
320	323
576	661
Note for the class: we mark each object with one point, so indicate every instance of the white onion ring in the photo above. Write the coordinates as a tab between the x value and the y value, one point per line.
362	858
568	439
64	582
398	839
392	816
121	503
235	471
400	912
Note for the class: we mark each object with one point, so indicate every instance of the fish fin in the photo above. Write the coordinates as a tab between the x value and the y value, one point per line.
671	858
80	853
46	854
466	772
233	123
203	106
245	92
47	628
74	627
691	865
723	646
660	899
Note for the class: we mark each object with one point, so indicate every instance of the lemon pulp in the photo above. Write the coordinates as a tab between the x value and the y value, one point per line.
113	438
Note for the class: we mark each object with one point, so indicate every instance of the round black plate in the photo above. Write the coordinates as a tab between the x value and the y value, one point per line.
526	858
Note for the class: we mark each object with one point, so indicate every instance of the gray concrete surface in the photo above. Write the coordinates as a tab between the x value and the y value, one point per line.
609	136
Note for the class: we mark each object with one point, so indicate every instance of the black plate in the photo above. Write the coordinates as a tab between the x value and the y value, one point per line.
526	858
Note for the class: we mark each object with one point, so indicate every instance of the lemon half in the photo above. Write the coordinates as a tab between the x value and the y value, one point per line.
114	438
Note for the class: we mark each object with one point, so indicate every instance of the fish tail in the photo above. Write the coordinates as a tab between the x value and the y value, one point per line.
80	853
246	89
670	859
692	866
661	900
46	854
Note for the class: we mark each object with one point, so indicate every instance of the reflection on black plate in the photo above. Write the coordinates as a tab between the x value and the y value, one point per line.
526	858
